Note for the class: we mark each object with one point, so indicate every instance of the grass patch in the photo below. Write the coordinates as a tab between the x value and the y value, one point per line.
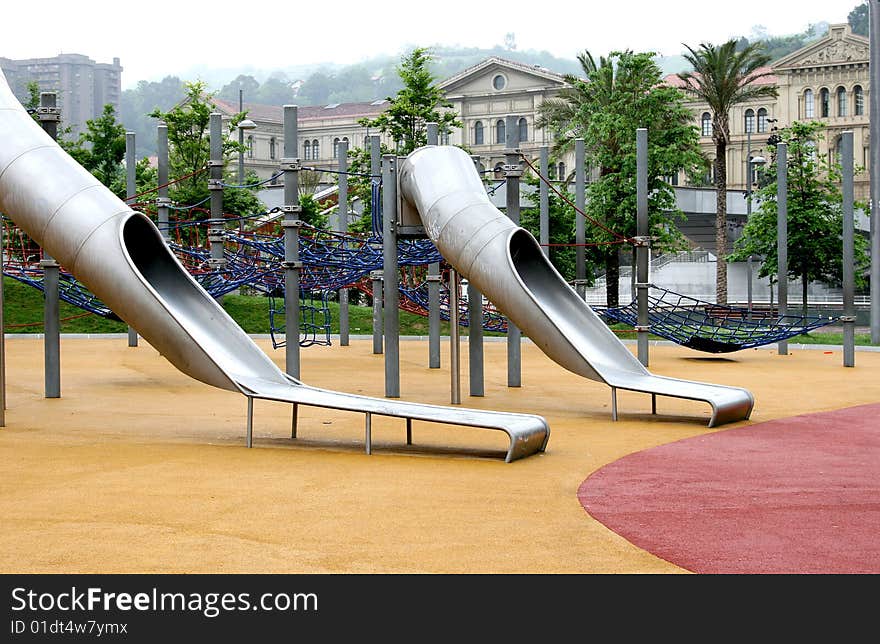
23	313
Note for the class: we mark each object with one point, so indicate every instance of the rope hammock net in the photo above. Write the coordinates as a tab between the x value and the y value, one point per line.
709	327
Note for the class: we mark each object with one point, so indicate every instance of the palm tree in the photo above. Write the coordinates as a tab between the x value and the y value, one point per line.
723	77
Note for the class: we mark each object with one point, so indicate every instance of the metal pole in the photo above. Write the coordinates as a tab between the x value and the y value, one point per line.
389	271
580	270
240	140
131	190
433	287
162	200
643	248
216	230
544	202
49	115
874	135
849	310
454	340
782	234
376	171
290	166
513	172
376	276
342	227
749	209
475	331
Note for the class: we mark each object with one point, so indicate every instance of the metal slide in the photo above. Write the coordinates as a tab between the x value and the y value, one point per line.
507	265
121	257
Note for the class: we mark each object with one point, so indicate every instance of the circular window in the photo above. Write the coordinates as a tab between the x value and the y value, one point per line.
499	82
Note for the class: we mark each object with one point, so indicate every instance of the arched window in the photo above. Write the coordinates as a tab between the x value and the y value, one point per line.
523	130
762	120
706	124
824	103
307	151
336	148
315	150
478	133
250	146
841	101
272	148
809	104
562	171
500	131
750	120
859	100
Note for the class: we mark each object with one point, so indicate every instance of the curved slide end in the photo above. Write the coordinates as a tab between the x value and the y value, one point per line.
507	265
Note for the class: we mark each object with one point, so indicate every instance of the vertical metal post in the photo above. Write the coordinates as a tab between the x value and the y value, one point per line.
643	248
390	273
580	262
240	140
513	172
131	189
849	310
874	135
368	433
294	420
433	287
49	115
782	234
377	277
749	213
249	436
342	226
454	340
475	332
544	202
216	223
162	200
290	166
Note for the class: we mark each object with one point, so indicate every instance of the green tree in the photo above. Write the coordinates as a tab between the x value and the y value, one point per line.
620	94
723	77
189	152
858	19
561	228
101	150
815	215
419	102
246	84
136	105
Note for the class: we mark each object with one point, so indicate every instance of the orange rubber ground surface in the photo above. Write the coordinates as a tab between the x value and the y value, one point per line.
137	468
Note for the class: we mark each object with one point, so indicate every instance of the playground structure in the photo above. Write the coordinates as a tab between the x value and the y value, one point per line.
535	296
121	256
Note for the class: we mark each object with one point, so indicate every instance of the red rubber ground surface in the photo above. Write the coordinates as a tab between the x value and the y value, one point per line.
795	495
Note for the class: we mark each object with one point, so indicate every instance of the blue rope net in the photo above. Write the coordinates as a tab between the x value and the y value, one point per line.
709	327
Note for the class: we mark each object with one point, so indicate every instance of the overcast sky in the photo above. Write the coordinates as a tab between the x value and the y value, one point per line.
158	38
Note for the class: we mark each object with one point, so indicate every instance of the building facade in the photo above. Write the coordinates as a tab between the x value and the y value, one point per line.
827	80
319	131
83	86
486	98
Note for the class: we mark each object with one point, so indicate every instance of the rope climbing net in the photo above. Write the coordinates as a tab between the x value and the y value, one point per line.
713	328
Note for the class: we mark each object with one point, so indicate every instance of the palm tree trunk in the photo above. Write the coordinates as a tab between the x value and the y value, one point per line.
721	222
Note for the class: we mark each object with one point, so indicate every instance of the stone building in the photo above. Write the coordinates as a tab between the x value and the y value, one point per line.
827	80
83	86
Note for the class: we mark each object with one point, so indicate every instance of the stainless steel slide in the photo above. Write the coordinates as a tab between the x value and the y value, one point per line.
121	257
506	264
